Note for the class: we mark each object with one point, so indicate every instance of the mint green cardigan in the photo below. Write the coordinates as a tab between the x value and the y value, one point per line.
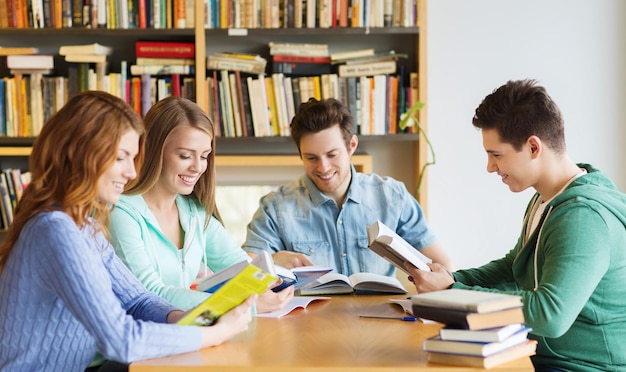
160	266
575	294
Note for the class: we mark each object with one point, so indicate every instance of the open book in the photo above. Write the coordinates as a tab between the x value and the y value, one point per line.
335	283
297	302
298	276
390	246
251	280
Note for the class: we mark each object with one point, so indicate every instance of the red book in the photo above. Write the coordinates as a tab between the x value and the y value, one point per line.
176	85
142	14
299	59
164	49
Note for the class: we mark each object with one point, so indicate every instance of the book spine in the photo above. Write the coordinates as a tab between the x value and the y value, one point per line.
161	70
369	69
164	49
301	69
299	59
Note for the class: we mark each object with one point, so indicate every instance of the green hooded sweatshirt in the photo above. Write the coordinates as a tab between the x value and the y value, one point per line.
571	275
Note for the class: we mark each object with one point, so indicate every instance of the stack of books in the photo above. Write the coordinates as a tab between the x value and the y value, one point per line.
482	329
300	59
162	69
83	56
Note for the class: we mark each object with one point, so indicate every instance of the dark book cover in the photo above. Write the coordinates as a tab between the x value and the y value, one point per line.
301	69
469	320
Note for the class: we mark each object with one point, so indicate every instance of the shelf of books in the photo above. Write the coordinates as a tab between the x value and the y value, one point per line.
248	65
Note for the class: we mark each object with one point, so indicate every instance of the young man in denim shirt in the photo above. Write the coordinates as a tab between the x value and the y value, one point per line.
322	217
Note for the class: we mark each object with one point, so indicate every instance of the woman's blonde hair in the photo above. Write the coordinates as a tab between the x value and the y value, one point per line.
75	147
161	121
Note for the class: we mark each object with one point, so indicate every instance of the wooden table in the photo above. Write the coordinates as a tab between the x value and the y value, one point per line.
328	336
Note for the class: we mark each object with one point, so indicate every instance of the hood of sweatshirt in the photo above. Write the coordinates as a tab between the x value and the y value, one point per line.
595	186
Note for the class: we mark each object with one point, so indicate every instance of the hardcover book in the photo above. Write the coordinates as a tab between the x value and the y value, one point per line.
436	344
496	334
390	246
93	48
467	300
470	320
164	49
335	283
522	350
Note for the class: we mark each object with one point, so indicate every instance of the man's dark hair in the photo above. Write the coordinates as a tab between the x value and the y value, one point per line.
520	109
314	116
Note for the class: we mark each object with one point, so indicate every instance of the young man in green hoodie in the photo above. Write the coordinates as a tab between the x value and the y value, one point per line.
569	264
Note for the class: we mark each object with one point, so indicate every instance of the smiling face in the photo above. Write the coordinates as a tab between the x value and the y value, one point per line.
111	183
185	157
516	168
327	161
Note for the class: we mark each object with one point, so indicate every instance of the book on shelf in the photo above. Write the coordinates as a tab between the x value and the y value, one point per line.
141	61
390	246
335	283
436	344
93	48
297	302
469	320
251	280
525	349
299	49
378	57
223	61
348	54
7	51
161	70
86	58
367	69
164	49
299	59
496	334
467	300
301	68
30	61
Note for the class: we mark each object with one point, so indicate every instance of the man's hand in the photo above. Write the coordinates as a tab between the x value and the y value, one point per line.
427	281
290	260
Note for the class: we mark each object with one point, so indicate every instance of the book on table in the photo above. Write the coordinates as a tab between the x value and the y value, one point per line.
299	276
467	300
525	349
251	280
496	334
335	283
390	246
436	344
470	320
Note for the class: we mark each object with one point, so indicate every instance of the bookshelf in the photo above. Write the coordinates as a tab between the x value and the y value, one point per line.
383	150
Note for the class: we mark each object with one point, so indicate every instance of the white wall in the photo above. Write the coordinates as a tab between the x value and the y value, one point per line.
575	48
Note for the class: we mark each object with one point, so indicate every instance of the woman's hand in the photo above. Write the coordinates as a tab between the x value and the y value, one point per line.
272	301
229	325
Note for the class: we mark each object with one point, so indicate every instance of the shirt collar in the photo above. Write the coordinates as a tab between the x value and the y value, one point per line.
355	189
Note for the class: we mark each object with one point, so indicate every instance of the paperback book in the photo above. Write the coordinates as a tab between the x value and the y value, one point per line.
251	280
436	344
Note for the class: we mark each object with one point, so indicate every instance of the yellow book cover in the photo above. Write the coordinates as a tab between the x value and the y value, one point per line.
271	103
251	280
317	87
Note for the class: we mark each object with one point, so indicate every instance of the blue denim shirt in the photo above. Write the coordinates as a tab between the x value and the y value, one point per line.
299	218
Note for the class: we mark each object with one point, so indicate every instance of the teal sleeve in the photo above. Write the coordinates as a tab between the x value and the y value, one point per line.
131	244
